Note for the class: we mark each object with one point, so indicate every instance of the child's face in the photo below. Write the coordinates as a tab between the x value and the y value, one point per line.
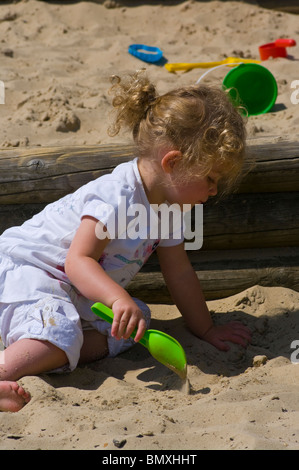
196	191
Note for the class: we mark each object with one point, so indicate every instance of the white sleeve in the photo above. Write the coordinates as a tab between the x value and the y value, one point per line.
104	199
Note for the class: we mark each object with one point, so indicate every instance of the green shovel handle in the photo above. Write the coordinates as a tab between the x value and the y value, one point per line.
106	314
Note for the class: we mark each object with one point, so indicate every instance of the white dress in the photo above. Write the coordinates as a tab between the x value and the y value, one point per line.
37	299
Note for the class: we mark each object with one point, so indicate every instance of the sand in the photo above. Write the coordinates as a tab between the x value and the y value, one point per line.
56	60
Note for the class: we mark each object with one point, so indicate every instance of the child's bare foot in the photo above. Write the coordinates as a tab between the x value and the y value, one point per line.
12	396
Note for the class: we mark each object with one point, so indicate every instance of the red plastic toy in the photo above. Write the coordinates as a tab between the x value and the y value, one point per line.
276	49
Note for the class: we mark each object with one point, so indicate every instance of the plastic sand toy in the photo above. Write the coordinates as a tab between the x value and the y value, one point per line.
276	49
255	85
206	65
147	53
162	347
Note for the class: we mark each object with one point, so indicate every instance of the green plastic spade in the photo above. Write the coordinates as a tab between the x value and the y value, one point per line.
162	347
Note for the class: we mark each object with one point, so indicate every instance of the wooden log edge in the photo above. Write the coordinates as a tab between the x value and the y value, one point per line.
46	174
287	6
225	273
239	221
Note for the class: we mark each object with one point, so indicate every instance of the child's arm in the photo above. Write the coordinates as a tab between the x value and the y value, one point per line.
86	274
185	289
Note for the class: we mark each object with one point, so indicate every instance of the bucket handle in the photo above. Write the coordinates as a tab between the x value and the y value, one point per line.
217	67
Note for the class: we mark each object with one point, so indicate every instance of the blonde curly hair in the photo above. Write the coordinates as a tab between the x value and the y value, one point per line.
199	121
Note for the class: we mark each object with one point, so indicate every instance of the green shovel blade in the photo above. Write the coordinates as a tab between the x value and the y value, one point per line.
162	347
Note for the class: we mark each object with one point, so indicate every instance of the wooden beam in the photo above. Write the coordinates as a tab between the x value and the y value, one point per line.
224	273
46	174
288	6
273	167
252	220
249	238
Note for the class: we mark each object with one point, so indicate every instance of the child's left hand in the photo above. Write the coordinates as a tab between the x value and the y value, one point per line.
235	332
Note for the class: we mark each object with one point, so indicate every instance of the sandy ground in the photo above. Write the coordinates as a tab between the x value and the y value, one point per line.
56	60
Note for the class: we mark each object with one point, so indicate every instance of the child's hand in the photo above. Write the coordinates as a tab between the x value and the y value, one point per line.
127	317
235	332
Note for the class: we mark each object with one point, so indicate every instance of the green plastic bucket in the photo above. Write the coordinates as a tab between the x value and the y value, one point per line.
254	86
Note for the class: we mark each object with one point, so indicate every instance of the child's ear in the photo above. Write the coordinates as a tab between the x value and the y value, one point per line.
170	160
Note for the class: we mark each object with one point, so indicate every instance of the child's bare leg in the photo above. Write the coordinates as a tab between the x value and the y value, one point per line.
32	357
25	357
94	347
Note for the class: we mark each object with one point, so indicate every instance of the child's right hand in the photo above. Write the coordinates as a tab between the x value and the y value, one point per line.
127	317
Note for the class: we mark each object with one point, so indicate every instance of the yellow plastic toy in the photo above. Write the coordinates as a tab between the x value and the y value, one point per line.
206	65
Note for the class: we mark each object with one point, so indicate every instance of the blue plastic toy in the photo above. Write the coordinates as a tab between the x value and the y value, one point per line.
146	53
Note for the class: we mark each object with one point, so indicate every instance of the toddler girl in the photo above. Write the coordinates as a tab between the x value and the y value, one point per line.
56	265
